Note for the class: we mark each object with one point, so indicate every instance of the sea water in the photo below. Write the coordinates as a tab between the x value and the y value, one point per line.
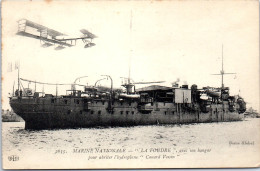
218	141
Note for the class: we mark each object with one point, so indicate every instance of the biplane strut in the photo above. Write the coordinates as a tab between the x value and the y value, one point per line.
48	37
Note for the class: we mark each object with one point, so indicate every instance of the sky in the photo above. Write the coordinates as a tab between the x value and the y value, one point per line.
167	40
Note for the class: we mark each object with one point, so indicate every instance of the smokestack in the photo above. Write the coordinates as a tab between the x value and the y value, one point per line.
175	83
185	85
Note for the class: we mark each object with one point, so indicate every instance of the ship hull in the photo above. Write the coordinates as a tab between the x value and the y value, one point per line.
43	114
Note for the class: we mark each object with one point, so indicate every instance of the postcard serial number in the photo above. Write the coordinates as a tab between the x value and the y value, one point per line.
59	151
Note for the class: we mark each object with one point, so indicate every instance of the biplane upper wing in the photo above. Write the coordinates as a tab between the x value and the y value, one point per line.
44	32
40	28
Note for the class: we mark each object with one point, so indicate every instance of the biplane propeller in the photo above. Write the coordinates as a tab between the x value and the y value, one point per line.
49	37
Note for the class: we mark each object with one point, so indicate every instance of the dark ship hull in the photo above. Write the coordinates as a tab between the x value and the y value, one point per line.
58	112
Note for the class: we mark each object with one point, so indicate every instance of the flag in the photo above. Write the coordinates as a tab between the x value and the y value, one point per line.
17	65
10	67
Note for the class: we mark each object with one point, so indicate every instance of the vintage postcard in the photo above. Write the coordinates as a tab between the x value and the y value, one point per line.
130	84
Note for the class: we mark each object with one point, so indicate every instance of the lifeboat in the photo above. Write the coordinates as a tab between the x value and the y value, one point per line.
132	96
213	93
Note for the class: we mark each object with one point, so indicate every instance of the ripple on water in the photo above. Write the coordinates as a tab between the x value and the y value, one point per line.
16	138
158	136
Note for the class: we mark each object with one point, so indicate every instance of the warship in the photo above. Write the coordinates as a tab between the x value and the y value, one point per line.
107	106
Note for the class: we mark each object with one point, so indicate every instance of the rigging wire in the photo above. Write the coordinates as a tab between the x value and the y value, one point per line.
48	83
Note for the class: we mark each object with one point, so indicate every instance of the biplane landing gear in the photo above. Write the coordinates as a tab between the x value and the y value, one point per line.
46	44
88	43
60	47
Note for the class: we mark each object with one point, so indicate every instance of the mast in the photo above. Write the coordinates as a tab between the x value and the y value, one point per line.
43	89
131	50
18	79
13	88
56	90
222	72
127	81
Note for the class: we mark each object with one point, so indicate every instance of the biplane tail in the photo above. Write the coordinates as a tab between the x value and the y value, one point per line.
88	34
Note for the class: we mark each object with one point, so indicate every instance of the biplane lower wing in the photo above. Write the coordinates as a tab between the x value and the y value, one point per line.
23	33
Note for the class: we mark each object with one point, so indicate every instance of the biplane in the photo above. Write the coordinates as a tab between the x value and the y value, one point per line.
49	37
